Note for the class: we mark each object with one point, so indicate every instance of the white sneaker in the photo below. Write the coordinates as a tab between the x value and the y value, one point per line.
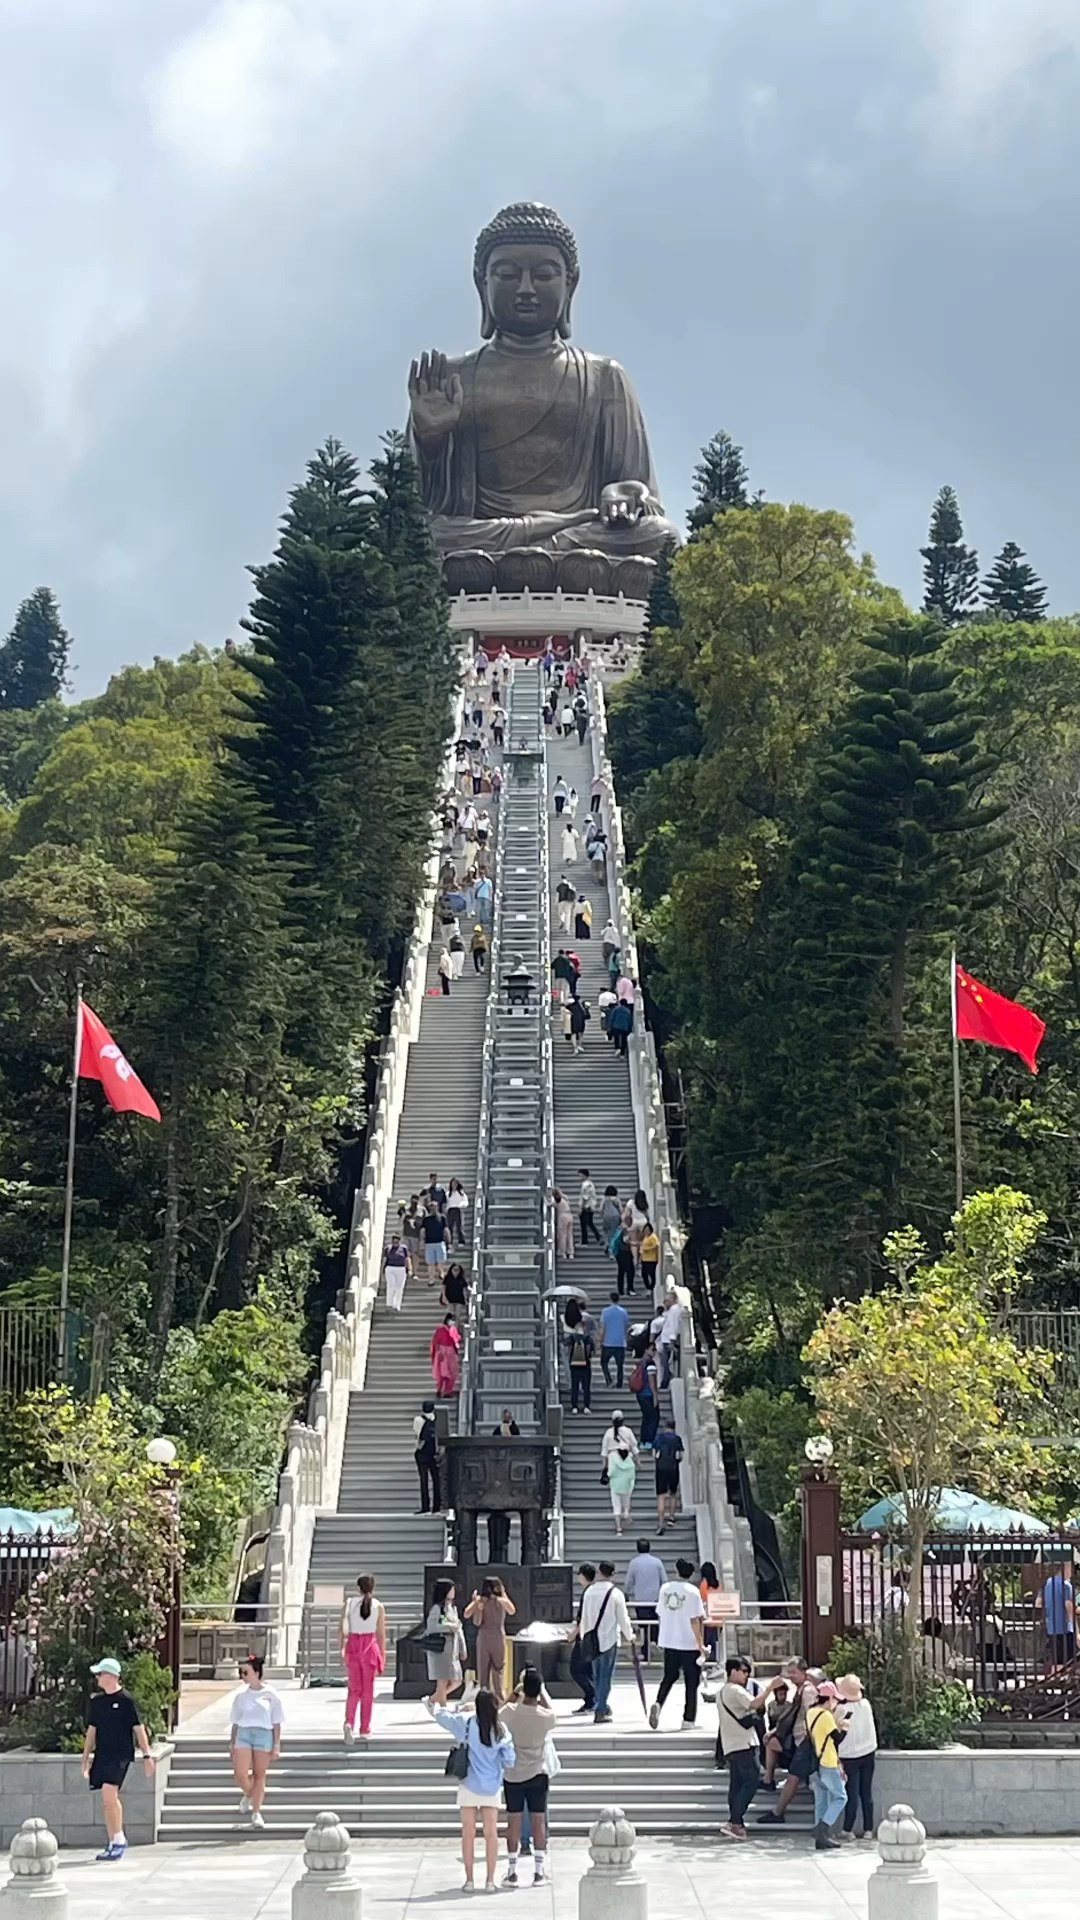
468	1887
257	1819
490	1887
350	1737
689	1725
245	1804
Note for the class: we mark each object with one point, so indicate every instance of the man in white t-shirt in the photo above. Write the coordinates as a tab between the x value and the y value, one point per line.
667	1345
680	1611
603	1610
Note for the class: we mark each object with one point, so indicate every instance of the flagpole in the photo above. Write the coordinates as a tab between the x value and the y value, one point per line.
958	1138
69	1189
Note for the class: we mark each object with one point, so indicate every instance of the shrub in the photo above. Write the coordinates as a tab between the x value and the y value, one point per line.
940	1709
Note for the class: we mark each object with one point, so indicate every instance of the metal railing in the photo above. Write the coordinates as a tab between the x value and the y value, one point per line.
987	1612
41	1346
471	1345
723	1536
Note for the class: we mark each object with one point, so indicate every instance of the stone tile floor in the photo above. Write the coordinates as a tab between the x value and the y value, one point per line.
978	1880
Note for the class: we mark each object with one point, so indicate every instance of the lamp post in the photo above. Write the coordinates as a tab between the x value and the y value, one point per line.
161	1453
822	1585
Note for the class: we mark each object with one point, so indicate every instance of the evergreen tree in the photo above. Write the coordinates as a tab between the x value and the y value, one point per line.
902	833
1012	589
33	658
951	572
323	622
663	608
720	481
896	857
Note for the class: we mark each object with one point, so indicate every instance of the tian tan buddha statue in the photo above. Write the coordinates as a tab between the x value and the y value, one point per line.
530	442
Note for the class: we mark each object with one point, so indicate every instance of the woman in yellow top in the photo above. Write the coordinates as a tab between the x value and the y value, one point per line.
830	1793
649	1255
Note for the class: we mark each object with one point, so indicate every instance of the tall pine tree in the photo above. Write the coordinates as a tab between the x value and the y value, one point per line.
720	481
896	856
1012	589
33	658
663	608
323	608
951	570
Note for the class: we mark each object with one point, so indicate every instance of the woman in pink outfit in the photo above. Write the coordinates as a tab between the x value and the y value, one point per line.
363	1649
446	1357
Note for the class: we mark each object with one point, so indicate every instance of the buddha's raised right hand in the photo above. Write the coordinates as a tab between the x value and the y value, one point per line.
436	397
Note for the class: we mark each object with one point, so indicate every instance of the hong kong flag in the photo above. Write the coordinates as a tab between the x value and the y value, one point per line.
99	1058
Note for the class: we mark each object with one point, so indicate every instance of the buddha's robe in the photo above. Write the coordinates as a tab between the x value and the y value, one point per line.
542	432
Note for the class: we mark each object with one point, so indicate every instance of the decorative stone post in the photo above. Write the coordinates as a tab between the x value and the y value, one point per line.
611	1890
35	1886
327	1890
901	1888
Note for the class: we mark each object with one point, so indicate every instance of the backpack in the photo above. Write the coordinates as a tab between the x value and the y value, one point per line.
637	1378
578	1353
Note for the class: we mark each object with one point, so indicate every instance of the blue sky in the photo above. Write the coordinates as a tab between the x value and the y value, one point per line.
843	230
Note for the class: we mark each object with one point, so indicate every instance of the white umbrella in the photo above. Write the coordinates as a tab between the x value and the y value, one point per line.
566	1293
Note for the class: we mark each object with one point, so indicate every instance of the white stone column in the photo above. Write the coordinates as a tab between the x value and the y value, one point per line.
902	1888
35	1886
327	1890
611	1890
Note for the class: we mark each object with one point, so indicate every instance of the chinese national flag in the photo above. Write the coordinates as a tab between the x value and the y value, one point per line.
982	1014
100	1058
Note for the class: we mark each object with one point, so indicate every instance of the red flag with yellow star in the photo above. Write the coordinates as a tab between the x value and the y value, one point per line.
981	1014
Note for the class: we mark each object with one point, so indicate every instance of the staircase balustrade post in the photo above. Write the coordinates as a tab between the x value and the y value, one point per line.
35	1886
327	1889
611	1889
902	1887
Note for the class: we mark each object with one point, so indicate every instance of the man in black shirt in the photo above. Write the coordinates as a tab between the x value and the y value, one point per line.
114	1723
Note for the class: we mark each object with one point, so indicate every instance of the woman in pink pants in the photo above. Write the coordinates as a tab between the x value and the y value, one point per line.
363	1649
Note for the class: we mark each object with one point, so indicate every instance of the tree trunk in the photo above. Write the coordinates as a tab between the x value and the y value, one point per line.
898	983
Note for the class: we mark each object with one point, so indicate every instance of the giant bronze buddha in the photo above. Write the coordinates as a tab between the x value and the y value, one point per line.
529	442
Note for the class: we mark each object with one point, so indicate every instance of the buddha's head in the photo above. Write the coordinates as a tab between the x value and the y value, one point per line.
526	269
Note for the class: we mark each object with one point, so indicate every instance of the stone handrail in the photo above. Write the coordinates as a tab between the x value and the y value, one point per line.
311	1475
723	1537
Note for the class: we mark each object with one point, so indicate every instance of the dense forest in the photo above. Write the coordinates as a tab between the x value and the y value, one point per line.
224	852
825	791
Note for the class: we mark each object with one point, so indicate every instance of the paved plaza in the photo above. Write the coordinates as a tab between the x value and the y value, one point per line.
978	1880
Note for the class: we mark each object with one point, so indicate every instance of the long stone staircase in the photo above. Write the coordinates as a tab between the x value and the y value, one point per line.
594	1128
393	1785
376	1528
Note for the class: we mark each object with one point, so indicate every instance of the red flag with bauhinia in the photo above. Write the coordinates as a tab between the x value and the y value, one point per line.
100	1058
982	1014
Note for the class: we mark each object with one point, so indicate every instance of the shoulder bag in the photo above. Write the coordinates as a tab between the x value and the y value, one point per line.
590	1640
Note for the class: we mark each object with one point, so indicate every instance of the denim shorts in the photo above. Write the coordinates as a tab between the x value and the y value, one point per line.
259	1739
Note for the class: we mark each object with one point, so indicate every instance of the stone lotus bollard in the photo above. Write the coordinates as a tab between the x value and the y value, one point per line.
327	1890
611	1890
902	1888
35	1886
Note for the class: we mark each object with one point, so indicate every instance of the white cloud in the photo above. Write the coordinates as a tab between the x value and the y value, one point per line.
990	55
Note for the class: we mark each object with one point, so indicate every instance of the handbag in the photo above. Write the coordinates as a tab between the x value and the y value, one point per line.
590	1640
457	1761
433	1642
552	1763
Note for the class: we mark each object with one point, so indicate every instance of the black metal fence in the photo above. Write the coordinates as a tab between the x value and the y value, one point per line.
994	1611
24	1558
40	1346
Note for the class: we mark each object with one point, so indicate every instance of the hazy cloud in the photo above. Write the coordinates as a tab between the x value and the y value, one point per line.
842	231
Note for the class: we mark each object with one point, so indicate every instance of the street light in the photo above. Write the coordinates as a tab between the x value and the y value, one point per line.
819	1449
160	1452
